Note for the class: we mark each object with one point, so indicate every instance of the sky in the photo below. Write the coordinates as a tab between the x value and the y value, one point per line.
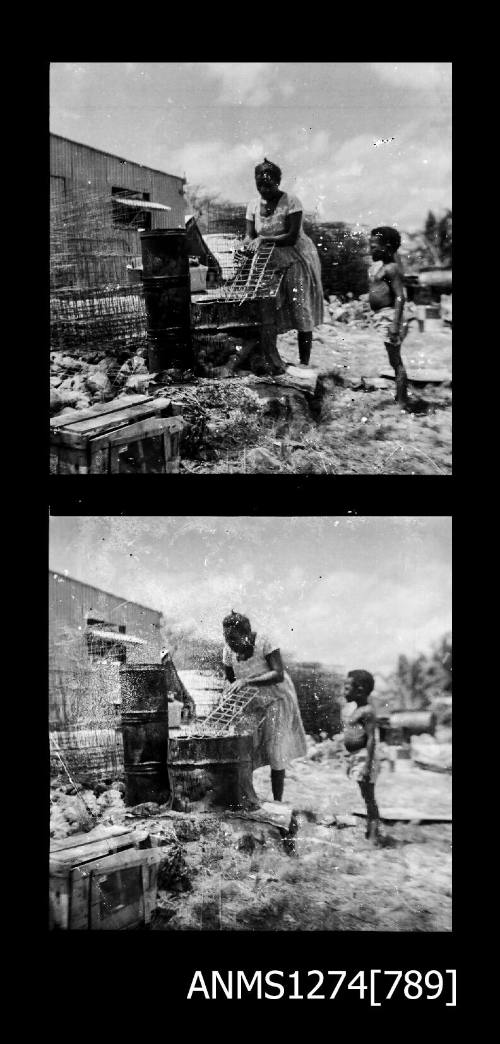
361	142
348	591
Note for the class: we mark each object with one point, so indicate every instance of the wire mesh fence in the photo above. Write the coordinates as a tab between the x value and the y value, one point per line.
86	320
88	248
92	304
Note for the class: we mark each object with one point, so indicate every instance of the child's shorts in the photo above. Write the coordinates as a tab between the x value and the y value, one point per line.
356	767
383	320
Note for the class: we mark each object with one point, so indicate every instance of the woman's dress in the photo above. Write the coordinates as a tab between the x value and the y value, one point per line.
300	297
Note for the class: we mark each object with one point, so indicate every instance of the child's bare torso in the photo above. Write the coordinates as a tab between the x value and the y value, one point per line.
380	292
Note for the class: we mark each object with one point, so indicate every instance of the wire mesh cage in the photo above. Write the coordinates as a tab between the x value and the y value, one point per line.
88	245
91	301
245	275
85	320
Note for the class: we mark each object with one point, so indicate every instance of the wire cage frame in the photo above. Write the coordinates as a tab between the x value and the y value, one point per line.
92	303
245	275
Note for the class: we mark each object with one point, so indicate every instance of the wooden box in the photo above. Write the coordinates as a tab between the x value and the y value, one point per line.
102	881
133	434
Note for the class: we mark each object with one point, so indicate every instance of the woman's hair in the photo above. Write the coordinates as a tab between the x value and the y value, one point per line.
236	622
268	168
363	680
389	236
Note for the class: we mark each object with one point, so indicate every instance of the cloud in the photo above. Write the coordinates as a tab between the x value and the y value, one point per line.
421	75
356	182
395	184
394	597
368	620
347	618
221	168
249	83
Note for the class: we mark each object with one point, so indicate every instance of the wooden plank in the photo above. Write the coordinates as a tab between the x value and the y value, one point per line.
423	376
78	905
109	421
408	815
143	428
127	859
65	859
255	325
150	885
171	442
69	416
100	460
77	436
99	833
72	460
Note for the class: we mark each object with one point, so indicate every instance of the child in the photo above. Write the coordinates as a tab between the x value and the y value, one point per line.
387	297
359	740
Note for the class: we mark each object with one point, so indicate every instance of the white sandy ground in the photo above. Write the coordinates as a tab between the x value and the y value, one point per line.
358	431
335	880
235	878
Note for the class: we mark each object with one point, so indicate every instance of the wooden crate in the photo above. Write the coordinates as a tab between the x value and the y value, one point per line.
133	434
102	881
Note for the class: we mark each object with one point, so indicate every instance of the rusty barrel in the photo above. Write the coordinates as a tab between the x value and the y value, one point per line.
167	294
144	694
214	770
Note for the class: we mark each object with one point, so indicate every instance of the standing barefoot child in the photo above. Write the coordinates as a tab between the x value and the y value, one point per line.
359	740
386	294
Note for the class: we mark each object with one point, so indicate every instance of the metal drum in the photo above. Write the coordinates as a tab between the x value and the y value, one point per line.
167	293
214	770
414	722
144	693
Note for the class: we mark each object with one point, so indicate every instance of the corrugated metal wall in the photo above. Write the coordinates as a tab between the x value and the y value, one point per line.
70	600
82	166
80	689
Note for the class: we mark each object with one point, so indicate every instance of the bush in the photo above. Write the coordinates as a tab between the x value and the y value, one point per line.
343	255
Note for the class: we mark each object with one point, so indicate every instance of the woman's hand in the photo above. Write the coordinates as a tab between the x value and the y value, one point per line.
237	686
253	245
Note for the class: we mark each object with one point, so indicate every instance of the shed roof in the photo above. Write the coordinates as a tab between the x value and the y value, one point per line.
84	583
113	155
141	204
115	636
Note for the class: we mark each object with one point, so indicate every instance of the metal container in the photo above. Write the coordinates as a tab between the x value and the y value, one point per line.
412	723
436	277
144	694
167	294
415	721
216	770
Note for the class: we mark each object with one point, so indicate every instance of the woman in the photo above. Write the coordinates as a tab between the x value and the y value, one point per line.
253	660
277	218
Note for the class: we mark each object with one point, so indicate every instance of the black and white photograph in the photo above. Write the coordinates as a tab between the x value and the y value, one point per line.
250	723
249	705
250	268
